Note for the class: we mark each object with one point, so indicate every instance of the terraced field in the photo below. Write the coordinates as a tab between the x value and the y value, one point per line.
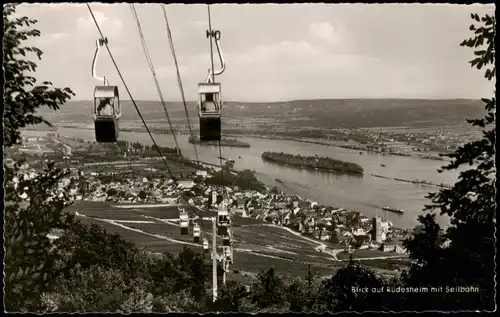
257	245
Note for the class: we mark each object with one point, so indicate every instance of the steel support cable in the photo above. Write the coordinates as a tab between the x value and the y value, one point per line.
213	80
224	191
193	208
179	80
151	67
181	89
211	45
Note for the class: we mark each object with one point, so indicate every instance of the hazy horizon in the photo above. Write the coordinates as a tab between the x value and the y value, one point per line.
294	52
291	100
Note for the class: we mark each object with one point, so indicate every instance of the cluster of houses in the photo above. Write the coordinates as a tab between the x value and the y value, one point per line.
336	225
421	142
345	228
26	173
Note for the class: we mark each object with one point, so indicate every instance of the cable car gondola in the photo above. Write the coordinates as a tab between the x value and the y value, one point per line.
222	222
205	245
184	221
209	97
227	239
106	110
209	111
227	253
196	233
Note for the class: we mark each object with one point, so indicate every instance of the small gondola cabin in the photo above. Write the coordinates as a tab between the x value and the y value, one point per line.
222	222
209	111
205	245
106	113
184	222
196	233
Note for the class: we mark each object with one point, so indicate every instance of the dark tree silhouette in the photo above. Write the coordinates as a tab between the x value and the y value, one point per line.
353	288
463	255
268	291
28	257
21	97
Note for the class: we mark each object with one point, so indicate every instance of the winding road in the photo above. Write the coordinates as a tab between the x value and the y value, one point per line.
67	147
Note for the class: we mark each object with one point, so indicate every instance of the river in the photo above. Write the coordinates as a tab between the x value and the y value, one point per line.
362	193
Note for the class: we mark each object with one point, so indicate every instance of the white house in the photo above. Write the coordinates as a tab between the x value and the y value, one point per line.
186	183
358	232
384	227
201	173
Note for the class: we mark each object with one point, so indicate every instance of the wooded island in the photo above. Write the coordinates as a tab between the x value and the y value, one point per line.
316	162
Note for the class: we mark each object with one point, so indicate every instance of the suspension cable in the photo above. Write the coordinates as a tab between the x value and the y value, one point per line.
213	80
151	67
179	80
211	45
181	89
193	208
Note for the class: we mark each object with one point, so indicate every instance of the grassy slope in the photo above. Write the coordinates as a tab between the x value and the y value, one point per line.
257	246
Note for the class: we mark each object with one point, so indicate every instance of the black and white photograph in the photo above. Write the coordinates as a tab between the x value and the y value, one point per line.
249	158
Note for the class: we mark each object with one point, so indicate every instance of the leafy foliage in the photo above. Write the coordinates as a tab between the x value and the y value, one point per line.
96	289
245	180
21	97
312	162
34	205
463	255
268	291
231	297
339	294
89	245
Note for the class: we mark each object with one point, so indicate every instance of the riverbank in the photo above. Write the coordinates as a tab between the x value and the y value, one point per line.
435	156
360	147
364	194
418	182
315	162
223	142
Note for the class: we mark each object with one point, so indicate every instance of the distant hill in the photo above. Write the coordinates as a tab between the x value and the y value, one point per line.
333	113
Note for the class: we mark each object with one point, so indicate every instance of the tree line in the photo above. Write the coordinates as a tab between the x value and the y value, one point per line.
324	163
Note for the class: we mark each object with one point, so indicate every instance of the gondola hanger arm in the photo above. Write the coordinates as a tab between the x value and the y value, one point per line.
99	43
216	35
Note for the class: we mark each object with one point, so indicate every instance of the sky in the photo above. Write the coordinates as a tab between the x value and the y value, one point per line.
273	52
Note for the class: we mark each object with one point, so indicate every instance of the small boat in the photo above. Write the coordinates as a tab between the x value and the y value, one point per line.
398	211
383	165
278	180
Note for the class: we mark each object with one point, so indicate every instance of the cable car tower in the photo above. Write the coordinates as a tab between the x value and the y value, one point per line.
106	111
222	228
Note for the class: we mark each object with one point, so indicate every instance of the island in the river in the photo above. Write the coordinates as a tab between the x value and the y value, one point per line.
315	162
223	142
